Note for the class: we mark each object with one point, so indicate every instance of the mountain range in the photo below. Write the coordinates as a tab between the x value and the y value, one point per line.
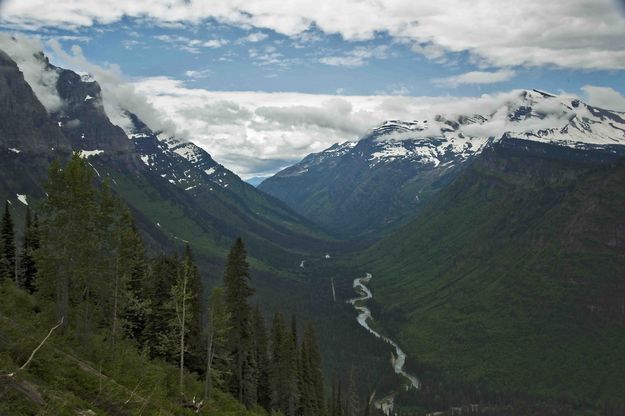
374	185
495	238
179	193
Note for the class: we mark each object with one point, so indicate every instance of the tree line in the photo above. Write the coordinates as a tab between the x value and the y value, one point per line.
82	252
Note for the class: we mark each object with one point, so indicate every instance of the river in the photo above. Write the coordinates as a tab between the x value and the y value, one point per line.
398	360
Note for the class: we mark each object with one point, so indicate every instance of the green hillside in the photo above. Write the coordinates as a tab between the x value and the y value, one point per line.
511	282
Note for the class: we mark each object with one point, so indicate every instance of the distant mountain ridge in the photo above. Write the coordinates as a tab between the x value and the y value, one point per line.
377	183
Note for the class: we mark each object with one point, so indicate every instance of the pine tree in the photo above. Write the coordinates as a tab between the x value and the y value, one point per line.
277	374
182	299
284	371
237	293
217	359
157	334
263	388
69	243
132	272
30	243
195	359
311	376
7	245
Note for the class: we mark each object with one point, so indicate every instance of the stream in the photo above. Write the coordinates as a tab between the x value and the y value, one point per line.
398	359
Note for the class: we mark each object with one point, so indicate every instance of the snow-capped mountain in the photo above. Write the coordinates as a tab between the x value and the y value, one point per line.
396	166
175	188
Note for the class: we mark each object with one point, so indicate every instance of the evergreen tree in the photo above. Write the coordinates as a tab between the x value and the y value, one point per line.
237	292
182	299
69	243
217	359
7	245
352	404
132	272
284	371
311	376
195	359
262	360
30	243
157	335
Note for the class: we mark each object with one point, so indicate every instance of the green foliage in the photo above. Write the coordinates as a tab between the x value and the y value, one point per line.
237	293
7	245
30	243
508	283
218	361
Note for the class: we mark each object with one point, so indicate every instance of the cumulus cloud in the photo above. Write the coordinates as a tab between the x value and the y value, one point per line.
503	33
476	78
257	133
26	52
604	97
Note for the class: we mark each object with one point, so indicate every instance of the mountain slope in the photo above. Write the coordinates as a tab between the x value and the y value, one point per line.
177	191
382	181
511	280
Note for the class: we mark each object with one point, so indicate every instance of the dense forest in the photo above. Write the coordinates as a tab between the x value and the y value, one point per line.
80	285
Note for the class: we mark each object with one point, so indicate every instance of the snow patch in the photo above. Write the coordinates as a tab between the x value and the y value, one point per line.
14	150
89	153
145	159
22	199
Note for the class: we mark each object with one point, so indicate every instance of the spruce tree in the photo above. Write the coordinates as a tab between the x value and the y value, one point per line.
311	376
263	388
217	359
69	243
237	292
182	299
284	371
195	357
7	245
157	335
28	267
132	272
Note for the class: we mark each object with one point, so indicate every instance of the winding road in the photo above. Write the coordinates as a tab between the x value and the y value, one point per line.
398	359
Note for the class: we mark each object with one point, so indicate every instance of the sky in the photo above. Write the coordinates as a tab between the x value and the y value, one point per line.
260	84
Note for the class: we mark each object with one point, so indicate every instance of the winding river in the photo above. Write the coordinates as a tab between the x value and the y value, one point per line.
398	359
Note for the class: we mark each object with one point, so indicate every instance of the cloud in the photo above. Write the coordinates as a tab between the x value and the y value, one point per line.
356	57
198	74
118	95
256	133
191	45
26	52
269	55
585	34
475	78
253	37
604	97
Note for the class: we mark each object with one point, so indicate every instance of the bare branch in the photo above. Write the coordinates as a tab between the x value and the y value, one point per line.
32	354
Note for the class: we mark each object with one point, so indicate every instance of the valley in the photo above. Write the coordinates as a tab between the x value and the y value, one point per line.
493	241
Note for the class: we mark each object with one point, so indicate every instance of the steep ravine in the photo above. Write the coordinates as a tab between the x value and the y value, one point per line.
398	359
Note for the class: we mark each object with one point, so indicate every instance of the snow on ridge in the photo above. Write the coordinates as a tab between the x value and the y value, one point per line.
22	199
145	159
534	115
90	153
